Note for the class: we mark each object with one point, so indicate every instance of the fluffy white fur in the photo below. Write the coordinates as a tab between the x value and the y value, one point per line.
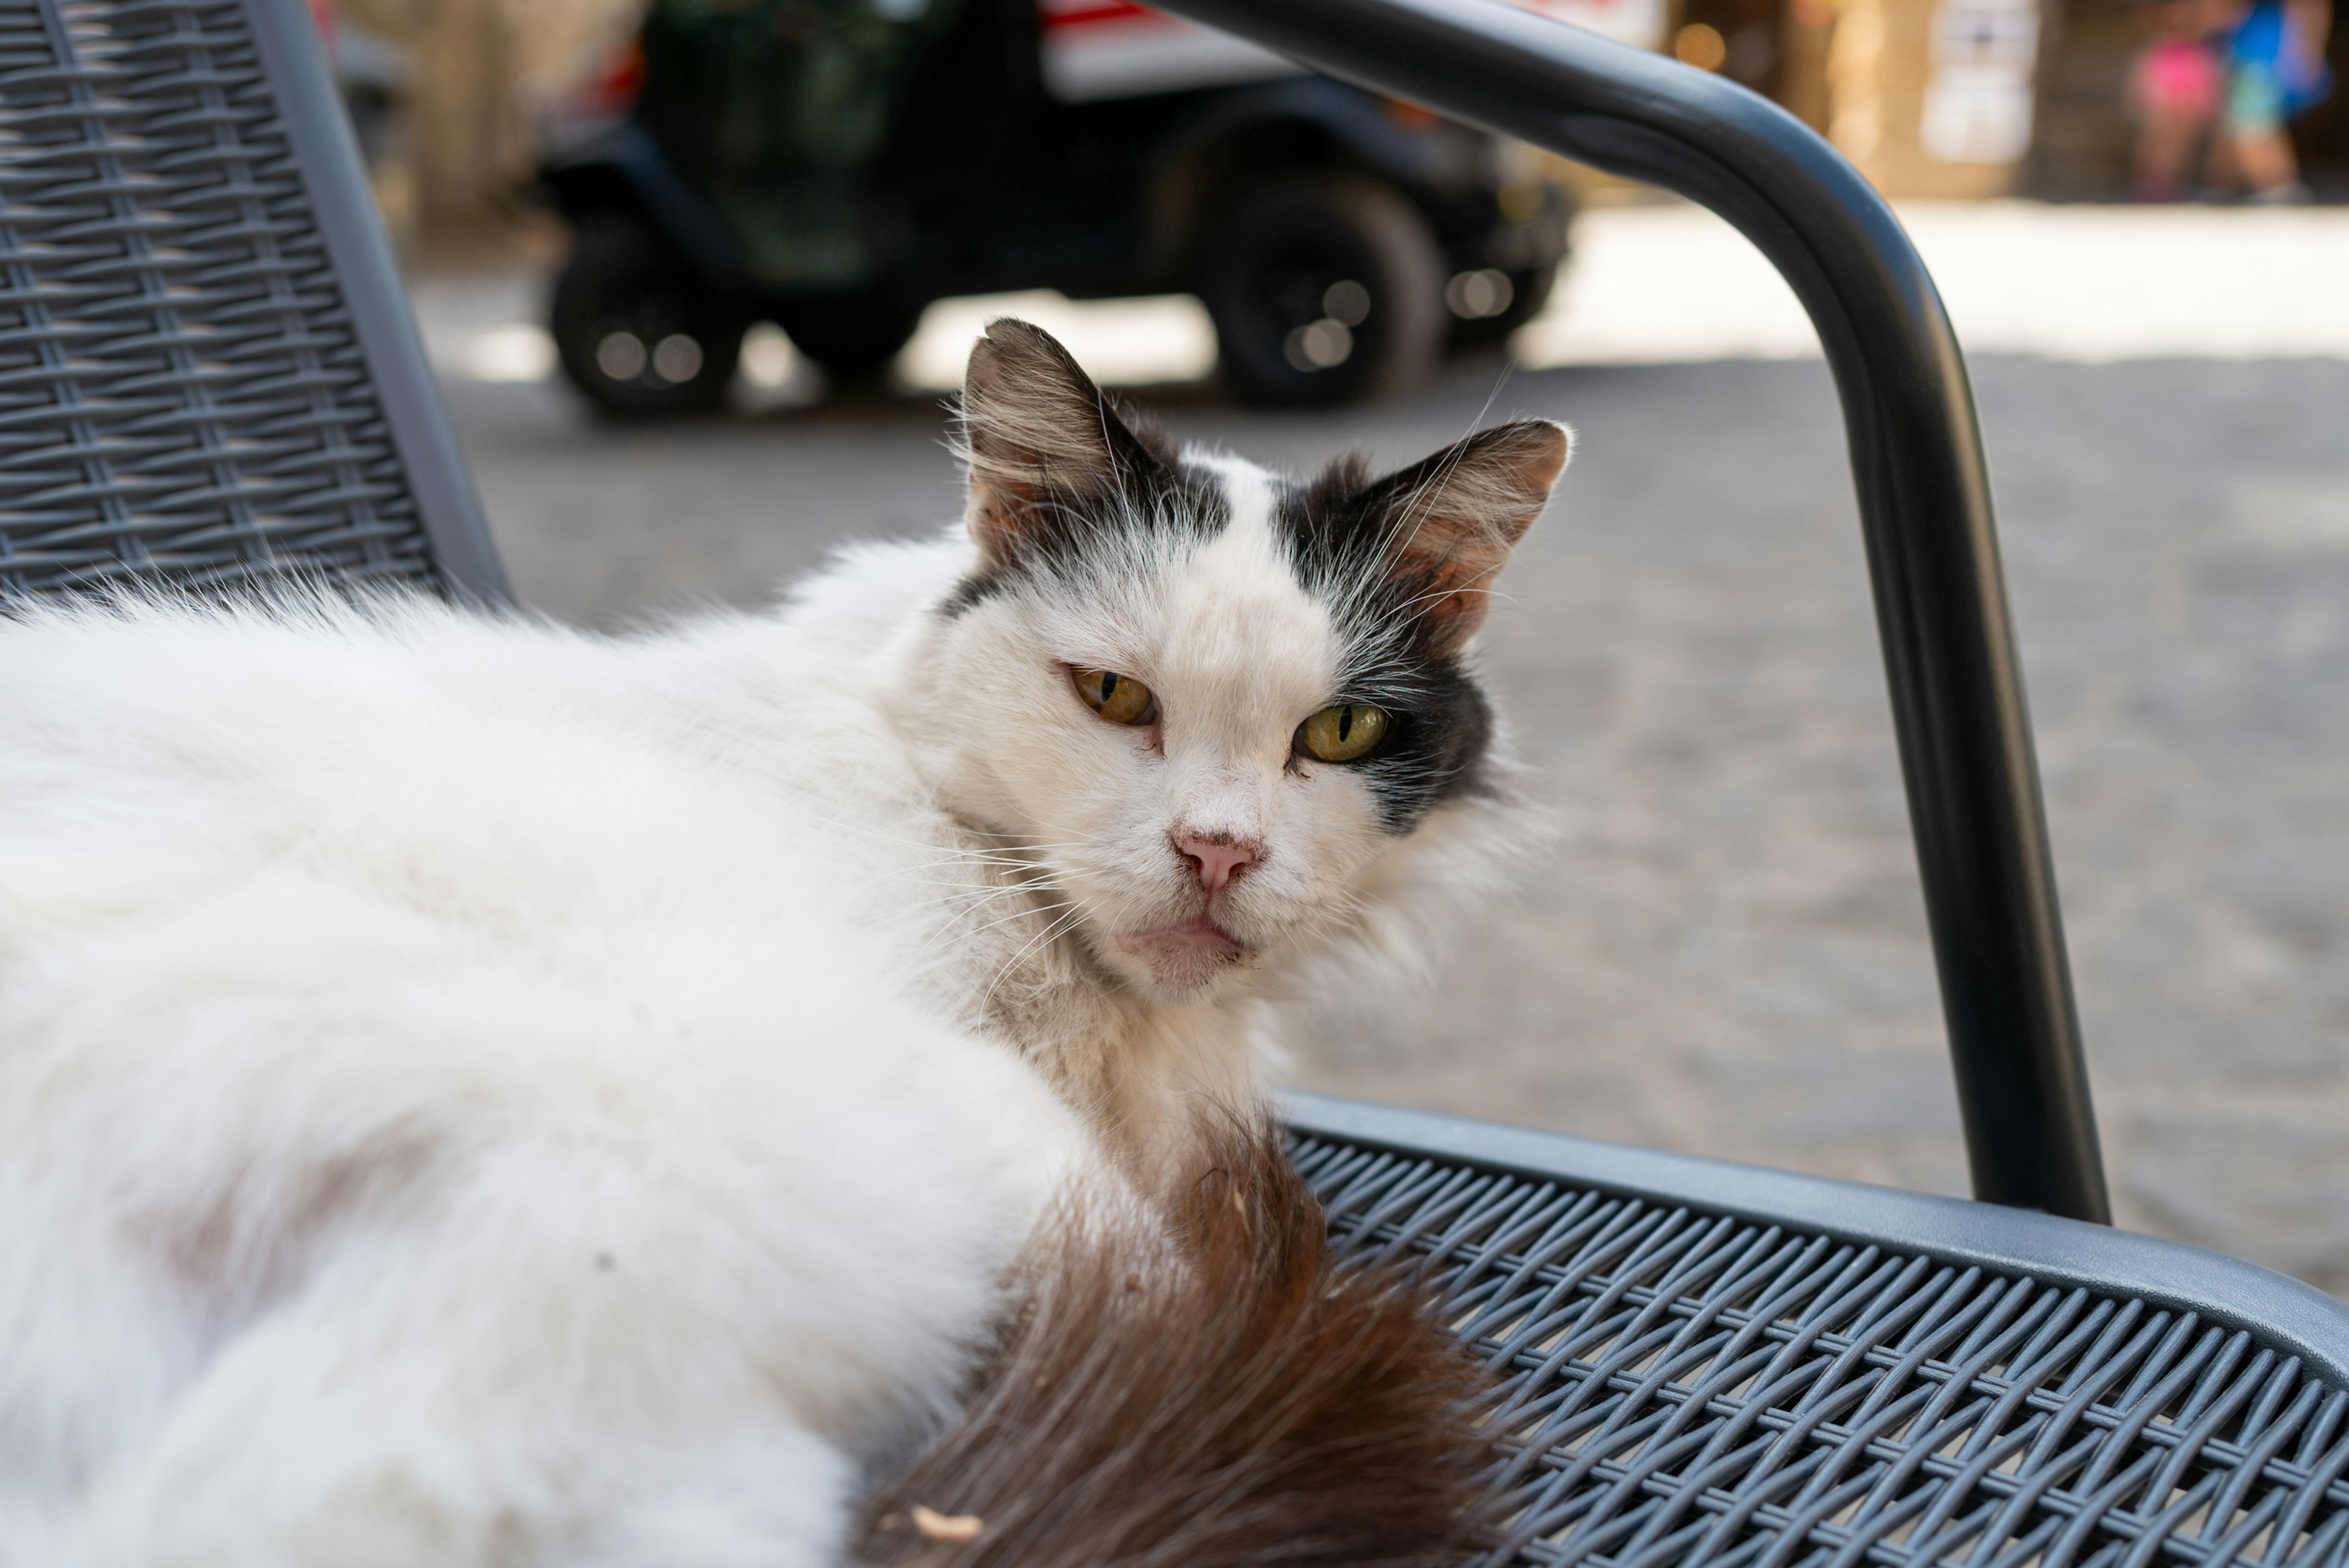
473	1092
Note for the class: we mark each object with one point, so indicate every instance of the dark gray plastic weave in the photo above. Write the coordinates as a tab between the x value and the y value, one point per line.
182	391
1684	1389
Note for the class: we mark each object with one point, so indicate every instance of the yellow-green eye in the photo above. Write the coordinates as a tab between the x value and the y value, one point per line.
1342	734
1120	698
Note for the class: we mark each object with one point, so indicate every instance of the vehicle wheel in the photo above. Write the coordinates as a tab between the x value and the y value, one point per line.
1323	291
1489	305
851	336
637	331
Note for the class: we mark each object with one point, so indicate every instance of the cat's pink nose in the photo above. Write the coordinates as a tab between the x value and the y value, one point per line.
1218	859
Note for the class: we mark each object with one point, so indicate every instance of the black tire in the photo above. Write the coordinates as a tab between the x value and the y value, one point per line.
1529	291
852	337
637	331
1272	270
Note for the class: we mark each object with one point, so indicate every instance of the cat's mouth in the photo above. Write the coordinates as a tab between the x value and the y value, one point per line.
1188	952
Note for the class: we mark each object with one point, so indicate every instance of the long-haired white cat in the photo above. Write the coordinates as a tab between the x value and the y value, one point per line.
477	1093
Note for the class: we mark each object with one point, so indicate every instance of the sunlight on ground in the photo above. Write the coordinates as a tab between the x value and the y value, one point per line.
1661	284
516	351
1124	342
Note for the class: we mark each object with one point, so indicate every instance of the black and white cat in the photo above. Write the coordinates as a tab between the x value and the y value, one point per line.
473	1092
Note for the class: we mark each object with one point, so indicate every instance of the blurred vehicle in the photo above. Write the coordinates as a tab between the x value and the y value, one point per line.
833	166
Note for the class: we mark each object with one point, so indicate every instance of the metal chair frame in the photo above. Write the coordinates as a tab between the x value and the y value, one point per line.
208	376
1924	502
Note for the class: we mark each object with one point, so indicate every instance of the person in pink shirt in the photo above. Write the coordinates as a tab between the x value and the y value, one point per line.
2176	90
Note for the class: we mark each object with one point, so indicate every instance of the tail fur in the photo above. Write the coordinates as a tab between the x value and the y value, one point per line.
1234	1403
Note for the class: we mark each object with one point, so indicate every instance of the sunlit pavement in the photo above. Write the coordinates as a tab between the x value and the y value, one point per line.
1727	954
1671	282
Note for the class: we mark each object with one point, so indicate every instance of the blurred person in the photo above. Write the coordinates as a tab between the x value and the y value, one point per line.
2276	69
2175	89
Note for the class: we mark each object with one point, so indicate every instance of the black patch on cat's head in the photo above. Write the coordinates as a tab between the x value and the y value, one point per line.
1056	466
1440	725
1405	564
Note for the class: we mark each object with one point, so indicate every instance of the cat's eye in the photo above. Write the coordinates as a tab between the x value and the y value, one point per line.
1345	733
1120	698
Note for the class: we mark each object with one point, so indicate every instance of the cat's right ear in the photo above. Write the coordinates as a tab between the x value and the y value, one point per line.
1450	521
1037	441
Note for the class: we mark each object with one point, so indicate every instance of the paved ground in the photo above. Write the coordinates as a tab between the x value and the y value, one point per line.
1670	282
1727	954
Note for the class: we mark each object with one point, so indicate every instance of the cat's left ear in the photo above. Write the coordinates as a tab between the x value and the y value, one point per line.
1041	443
1449	521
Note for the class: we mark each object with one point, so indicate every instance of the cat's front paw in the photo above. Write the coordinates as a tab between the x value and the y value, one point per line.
778	1499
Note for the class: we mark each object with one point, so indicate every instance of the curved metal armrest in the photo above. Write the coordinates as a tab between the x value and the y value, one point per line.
1924	502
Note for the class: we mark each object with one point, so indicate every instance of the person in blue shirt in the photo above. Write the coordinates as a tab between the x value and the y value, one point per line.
2275	70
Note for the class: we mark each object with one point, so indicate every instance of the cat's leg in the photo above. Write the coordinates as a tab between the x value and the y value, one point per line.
426	1499
93	1349
772	1501
521	1273
479	1394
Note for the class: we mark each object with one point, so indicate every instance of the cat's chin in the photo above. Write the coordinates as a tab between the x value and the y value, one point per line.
1189	955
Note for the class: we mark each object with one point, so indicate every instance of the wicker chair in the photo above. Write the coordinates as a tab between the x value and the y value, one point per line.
207	376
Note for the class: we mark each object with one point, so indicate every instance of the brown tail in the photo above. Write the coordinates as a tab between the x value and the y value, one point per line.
1248	1407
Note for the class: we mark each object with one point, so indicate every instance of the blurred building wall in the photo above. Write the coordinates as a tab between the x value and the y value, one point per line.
481	71
1930	97
2082	152
1980	98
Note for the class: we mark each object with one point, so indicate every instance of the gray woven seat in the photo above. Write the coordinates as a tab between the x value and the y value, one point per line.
208	378
1703	1363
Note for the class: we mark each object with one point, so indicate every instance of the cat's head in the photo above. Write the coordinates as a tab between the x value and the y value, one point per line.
1218	701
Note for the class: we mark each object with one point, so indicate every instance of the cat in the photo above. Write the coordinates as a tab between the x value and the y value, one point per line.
476	1092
